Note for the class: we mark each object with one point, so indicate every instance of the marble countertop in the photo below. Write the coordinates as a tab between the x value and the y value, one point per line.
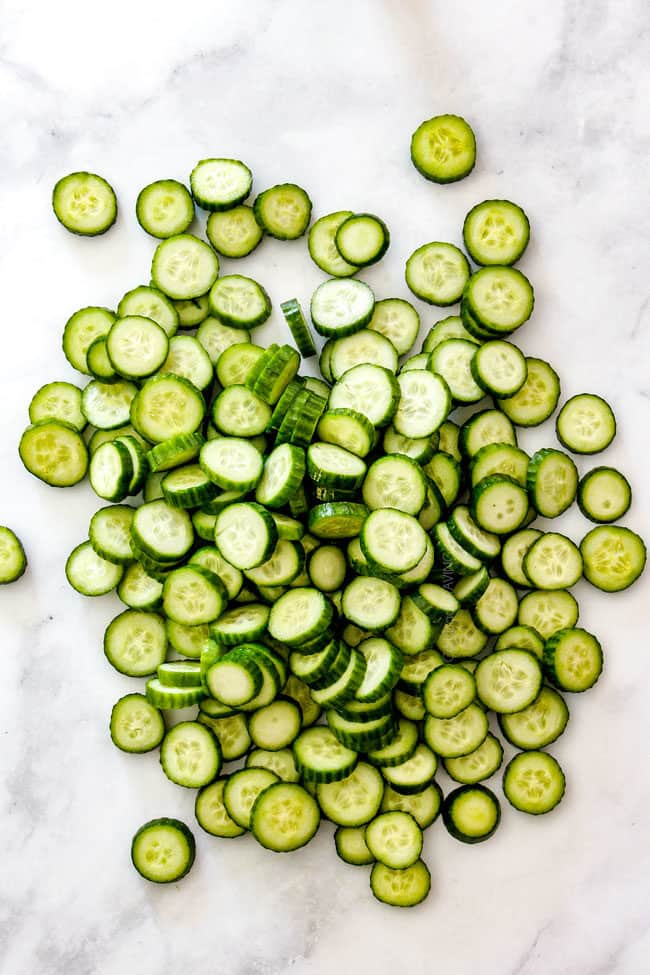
326	95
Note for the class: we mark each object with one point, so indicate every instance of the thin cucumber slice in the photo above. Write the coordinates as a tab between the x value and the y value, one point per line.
234	363
498	458
484	545
188	359
452	359
322	245
335	467
471	813
241	624
136	347
414	774
548	612
60	402
245	534
395	481
136	726
219	184
172	698
190	641
447	328
354	800
552	482
362	239
457	736
499	368
242	789
99	365
437	273
188	486
499	504
614	557
233	463
235	678
107	405
573	660
109	533
164	208
400	749
283	473
174	452
443	148
180	673
409	705
372	391
283	211
167	406
460	637
135	643
238	412
90	574
394	839
553	562
235	232
438	604
13	561
190	755
508	680
393	540
281	762
604	495
383	665
412	631
239	301
184	267
81	330
148	302
420	361
538	725
216	338
85	204
500	298
193	595
533	782
371	603
537	398
162	532
489	427
398	321
327	568
351	846
163	850
54	452
425	401
401	888
454	556
448	690
337	520
211	813
320	756
469	589
521	637
192	311
496	610
424	805
364	346
340	308
479	765
275	726
586	424
299	616
284	817
496	232
513	553
298	327
299	691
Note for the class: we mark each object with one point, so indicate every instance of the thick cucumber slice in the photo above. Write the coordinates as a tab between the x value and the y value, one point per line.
340	308
13	561
461	637
135	643
471	813
500	298
188	486
162	532
553	562
448	690
239	301
401	888
483	545
614	557
425	401
163	850
362	239
437	273
398	321
180	673
90	574
85	204
537	398
394	839
322	245
136	726
469	589
437	603
478	765
81	330
351	846
241	624
283	211
499	504
354	800
242	789
364	346
496	232
340	691
454	556
443	148
370	390
136	346
165	407
573	660
193	595
332	466
147	302
164	208
320	756
552	482
383	665
234	233
54	452
452	359
184	267
219	184
284	817
533	782
400	749
541	723
174	452
283	473
548	612
586	424
414	774
508	680
60	402
211	813
457	736
604	494
298	327
499	368
109	533
496	610
285	565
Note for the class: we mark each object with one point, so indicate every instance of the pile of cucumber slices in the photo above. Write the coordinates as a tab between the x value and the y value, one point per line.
341	580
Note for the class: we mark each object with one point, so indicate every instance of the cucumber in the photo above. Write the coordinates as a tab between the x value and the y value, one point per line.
604	494
471	813
496	232
533	782
283	211
443	148
84	204
362	239
586	424
163	850
164	208
437	273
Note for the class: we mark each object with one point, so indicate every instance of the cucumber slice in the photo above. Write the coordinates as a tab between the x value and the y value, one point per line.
12	556
552	482
398	321
364	346
135	643
54	452
60	402
537	398
235	232
496	232
332	466
320	757
586	424
340	308
184	267
480	764
109	533
508	680
604	494
162	532
573	660
351	846
298	327
538	725
163	850
188	359
500	298
448	690
362	239
412	631
443	148
219	184
327	568
401	888
235	678
447	328
496	610
337	520
283	211
370	390
191	312
414	774
136	347
354	800
136	726
395	481
165	407
499	368
513	553
522	638
193	595
241	791
90	574
216	338
322	245
284	817
425	401
239	301
148	302
211	813
393	540
471	813
548	612
553	562
499	504
275	726
437	273
281	762
164	208
486	427
499	458
452	359
460	637
533	782
457	736
424	806
299	616
85	204
394	839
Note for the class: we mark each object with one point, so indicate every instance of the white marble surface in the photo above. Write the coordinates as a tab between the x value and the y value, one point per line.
325	94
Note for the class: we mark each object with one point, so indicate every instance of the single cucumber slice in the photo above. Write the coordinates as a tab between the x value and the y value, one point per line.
81	330
322	245
448	690
327	568
394	839
163	850
184	267
136	726
109	533
374	392
614	557
513	553
216	338
191	311
541	723
283	211
362	239
85	204
424	805
537	398
211	813
245	534
54	452
284	817
395	481
452	359
553	562
460	637
188	359
298	327
167	406
521	637
162	532
586	424
471	813
148	302
164	208
508	680
488	427
573	660
235	232
533	782
499	368
443	148
401	888
320	756
239	301
219	184
552	482
242	789
548	612
90	574
340	308
424	403
337	520
58	401
393	540
604	494
193	595
364	346
500	298
13	561
496	610
135	643
275	726
136	346
496	232
457	736
447	328
499	504
281	762
398	321
478	765
414	774
351	845
354	800
437	273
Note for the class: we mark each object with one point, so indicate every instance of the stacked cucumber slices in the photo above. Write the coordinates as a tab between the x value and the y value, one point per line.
340	579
